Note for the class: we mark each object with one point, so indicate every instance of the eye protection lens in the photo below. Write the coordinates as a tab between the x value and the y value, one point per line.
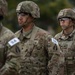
22	13
64	19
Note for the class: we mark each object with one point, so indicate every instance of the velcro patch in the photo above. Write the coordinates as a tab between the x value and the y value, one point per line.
54	41
13	41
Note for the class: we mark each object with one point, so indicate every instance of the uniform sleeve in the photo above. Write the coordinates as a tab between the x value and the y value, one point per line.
12	65
54	53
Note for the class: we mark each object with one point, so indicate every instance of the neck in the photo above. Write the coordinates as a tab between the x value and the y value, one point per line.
28	27
68	30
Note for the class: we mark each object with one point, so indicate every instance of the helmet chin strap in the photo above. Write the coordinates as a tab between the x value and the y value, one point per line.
27	23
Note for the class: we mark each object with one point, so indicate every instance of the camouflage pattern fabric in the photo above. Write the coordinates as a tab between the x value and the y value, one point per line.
39	53
68	12
9	64
67	45
3	7
29	7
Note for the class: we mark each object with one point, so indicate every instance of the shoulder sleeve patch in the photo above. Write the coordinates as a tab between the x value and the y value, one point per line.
13	41
54	41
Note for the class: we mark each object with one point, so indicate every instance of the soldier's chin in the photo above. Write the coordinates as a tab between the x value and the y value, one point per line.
63	28
20	25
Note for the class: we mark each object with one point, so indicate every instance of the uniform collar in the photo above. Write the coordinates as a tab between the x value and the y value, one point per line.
62	36
26	35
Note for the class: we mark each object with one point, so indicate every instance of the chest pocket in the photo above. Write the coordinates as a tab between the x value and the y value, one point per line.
38	49
26	48
66	47
68	51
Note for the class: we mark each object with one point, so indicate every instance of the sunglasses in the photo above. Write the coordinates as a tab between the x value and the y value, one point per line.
22	13
64	19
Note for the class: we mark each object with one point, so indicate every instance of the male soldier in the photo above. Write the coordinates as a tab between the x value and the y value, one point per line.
37	46
9	51
66	39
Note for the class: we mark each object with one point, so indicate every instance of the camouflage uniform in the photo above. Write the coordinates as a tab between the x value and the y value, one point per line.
36	51
9	51
67	45
37	46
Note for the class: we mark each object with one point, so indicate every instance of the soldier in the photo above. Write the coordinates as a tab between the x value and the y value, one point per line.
37	46
66	39
9	51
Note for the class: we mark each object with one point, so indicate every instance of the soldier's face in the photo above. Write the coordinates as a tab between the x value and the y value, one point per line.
64	23
23	18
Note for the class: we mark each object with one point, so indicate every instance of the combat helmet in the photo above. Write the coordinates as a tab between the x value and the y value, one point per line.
3	8
29	7
68	12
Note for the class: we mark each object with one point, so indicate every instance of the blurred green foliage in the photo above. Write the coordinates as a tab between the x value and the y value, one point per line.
48	9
